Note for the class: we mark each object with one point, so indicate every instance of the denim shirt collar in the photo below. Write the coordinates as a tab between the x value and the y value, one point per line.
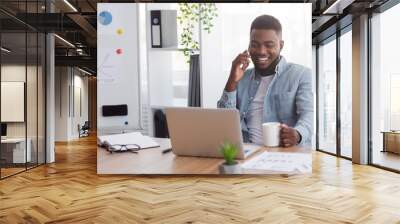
278	69
281	66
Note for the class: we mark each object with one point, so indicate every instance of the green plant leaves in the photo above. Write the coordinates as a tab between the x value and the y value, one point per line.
190	15
229	151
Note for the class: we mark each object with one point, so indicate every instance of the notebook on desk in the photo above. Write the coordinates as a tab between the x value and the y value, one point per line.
134	138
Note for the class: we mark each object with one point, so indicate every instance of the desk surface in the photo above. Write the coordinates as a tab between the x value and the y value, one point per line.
13	140
152	161
391	132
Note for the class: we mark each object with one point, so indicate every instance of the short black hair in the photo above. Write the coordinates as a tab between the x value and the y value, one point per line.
266	22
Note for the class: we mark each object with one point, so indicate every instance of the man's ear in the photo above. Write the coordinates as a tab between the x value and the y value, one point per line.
281	43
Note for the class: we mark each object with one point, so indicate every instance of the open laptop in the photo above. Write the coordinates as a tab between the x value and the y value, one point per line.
200	132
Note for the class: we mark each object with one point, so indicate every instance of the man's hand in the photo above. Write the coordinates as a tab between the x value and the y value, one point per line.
289	136
239	66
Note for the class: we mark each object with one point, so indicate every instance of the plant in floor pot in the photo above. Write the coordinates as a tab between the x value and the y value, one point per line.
230	165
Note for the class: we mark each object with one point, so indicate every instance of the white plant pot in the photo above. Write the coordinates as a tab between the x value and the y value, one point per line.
230	169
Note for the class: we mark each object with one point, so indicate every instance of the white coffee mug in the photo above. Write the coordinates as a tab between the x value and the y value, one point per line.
271	133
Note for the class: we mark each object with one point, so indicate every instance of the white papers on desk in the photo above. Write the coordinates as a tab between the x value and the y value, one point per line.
127	138
280	162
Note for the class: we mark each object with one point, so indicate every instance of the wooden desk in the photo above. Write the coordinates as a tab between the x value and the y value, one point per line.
391	141
152	161
14	148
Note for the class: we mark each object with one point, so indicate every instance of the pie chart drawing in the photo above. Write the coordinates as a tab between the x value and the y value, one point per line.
105	18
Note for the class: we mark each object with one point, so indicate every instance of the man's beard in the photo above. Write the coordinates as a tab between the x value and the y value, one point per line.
270	70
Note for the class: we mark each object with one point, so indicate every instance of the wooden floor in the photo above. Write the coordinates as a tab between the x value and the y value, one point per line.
387	159
70	191
5	172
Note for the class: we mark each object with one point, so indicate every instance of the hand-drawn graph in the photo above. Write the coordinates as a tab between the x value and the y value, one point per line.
281	162
107	72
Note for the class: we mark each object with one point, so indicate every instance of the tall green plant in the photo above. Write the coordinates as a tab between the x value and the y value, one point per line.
191	14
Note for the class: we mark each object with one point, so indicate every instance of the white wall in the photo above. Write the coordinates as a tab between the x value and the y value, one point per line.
67	80
230	36
160	64
62	81
81	104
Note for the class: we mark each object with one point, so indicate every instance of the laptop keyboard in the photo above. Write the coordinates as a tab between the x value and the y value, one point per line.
250	148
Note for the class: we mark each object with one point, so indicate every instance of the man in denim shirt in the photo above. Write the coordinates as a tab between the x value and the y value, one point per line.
274	91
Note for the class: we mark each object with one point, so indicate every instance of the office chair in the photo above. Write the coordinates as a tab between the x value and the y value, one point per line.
84	130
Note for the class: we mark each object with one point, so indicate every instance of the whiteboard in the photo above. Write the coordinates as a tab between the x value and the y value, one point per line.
12	101
118	79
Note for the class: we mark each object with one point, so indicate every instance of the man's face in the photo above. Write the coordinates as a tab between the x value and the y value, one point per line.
265	46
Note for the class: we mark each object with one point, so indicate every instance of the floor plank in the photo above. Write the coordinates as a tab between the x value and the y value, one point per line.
70	191
386	159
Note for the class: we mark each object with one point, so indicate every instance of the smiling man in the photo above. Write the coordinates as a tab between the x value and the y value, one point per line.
273	91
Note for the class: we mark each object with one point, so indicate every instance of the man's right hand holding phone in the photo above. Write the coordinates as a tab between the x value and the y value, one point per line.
239	66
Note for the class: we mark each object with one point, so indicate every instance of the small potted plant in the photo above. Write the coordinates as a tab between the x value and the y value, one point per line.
230	166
